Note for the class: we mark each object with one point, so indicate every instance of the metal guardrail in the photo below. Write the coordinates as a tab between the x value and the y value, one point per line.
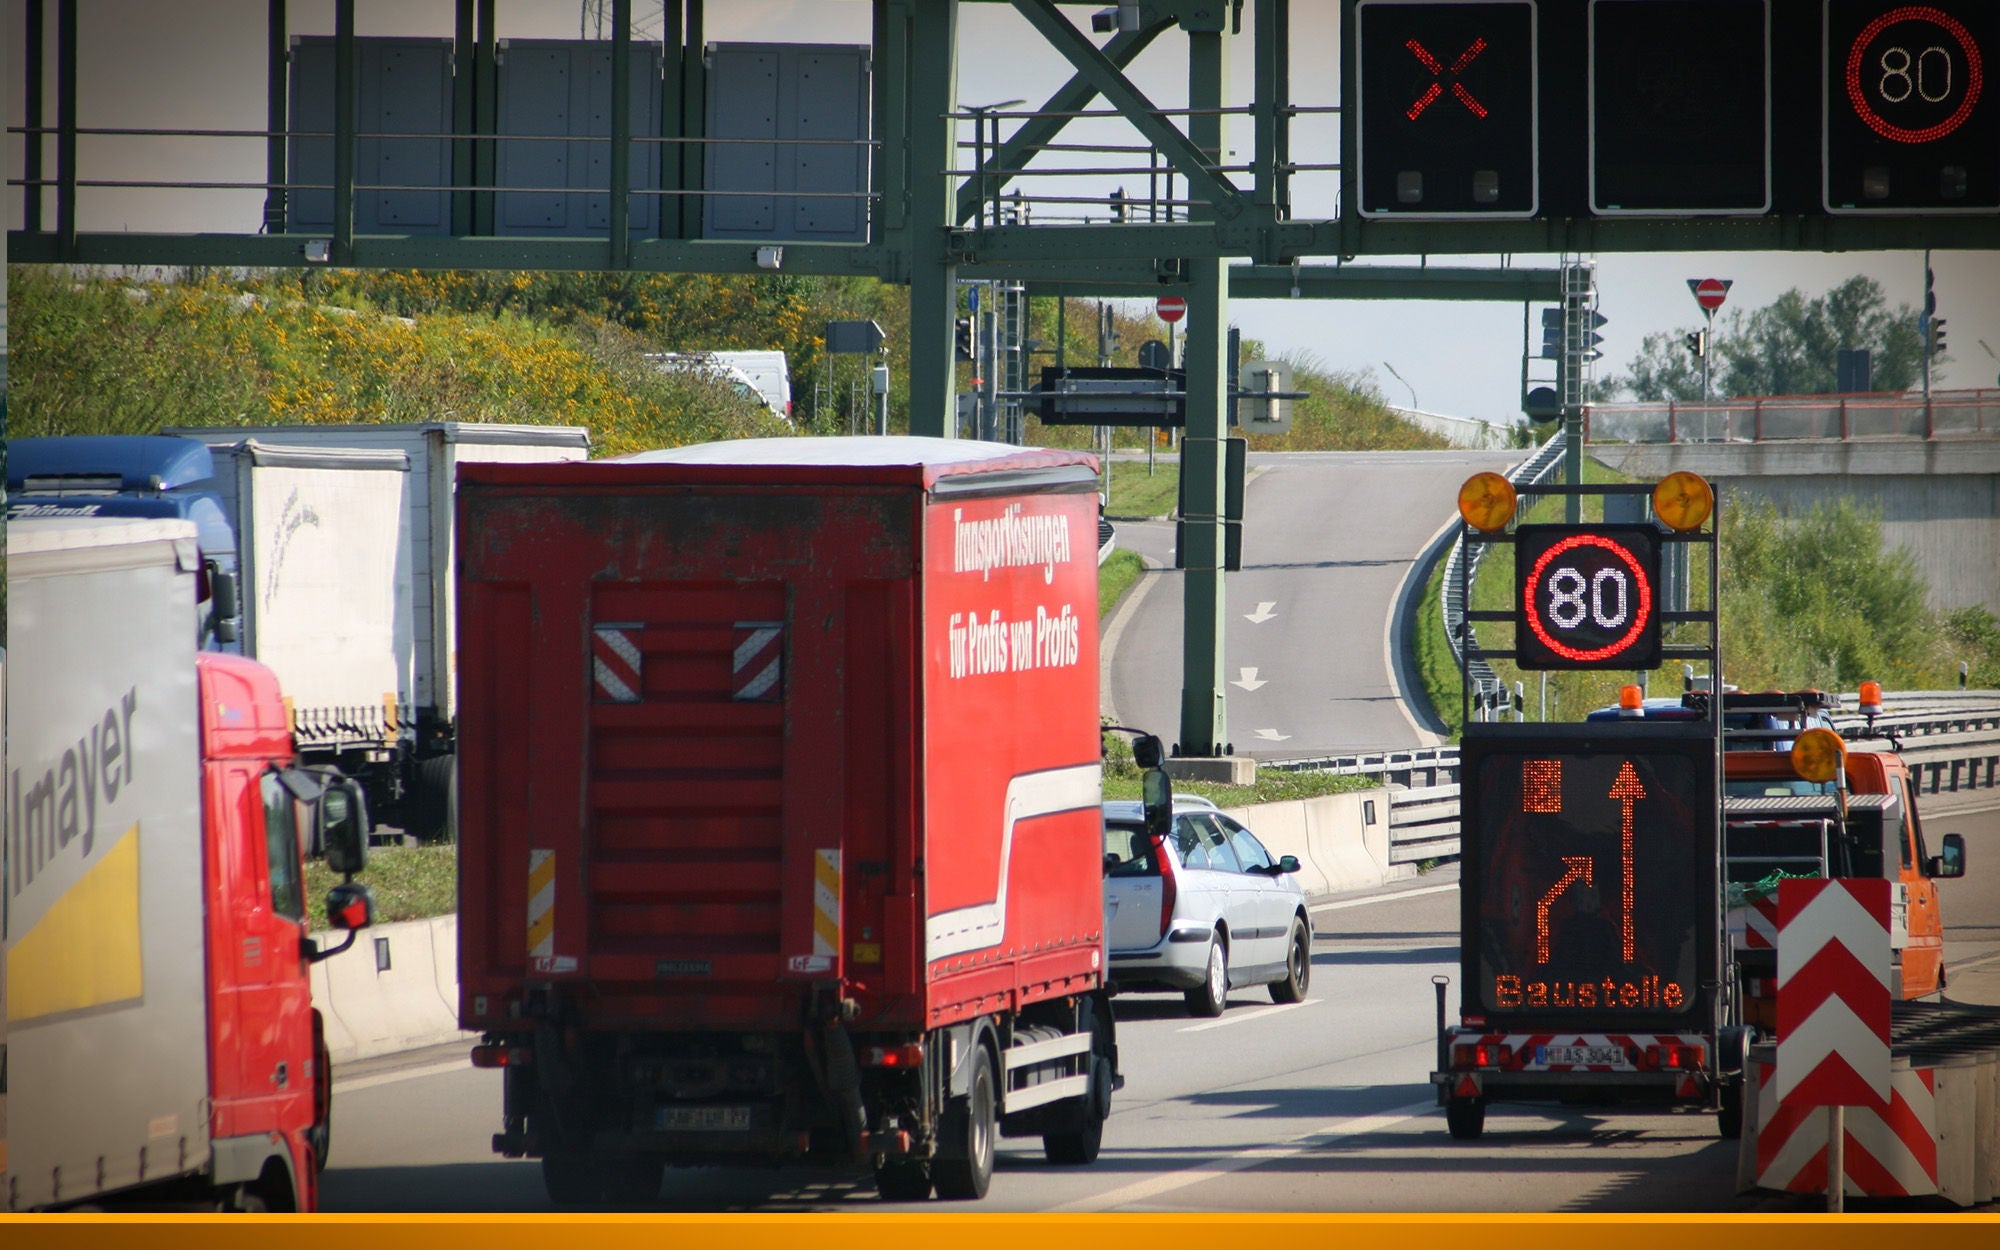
1532	471
1949	739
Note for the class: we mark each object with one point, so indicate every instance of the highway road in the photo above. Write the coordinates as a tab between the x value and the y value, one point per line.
1306	639
1321	1106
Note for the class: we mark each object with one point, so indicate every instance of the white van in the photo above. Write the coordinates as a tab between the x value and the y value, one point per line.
768	373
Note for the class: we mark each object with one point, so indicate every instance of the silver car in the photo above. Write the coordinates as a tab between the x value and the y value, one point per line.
1203	911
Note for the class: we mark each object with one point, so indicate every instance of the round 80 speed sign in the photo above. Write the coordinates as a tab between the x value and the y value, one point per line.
1589	596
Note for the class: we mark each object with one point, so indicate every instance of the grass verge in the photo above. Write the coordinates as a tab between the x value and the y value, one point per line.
1136	493
409	883
1114	577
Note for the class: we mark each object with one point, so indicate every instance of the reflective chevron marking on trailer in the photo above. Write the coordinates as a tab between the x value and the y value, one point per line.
541	904
1526	1051
1833	992
1753	926
1887	1152
616	666
759	662
826	903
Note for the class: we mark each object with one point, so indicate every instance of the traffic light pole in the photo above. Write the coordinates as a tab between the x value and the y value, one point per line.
1579	296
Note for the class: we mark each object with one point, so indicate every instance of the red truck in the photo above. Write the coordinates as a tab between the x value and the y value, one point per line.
162	1050
780	784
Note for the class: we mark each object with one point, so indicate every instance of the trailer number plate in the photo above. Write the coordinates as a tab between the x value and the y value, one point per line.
1546	1056
703	1119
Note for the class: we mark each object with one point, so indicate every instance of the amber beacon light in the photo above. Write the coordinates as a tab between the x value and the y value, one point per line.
1683	501
1487	501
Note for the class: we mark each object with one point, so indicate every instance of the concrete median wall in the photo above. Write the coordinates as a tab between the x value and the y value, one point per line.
1341	842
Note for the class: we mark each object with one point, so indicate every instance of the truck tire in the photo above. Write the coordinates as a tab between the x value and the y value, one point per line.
1082	1144
1729	1109
1212	995
968	1173
568	1177
1466	1118
903	1180
430	805
1298	966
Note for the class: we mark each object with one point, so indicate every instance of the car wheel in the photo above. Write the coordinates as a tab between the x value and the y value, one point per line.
1465	1117
1298	966
968	1175
1212	995
903	1180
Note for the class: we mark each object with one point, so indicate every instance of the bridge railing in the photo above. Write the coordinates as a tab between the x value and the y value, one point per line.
1949	739
1944	414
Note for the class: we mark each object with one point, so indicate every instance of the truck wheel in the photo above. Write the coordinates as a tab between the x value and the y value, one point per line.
1298	966
1729	1110
1466	1118
1212	995
903	1180
631	1181
970	1173
430	807
568	1177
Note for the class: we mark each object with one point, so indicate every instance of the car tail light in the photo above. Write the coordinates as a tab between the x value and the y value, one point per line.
1481	1054
1169	888
500	1055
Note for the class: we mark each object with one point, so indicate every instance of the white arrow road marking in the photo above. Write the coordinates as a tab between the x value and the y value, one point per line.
1272	735
1249	680
1263	612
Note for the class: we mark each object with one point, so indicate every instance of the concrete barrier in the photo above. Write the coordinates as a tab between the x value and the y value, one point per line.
1340	840
413	1002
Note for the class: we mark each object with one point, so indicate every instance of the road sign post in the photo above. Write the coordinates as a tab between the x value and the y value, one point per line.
1709	293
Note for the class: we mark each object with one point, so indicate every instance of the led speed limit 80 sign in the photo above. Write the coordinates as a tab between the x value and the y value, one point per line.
1911	118
1588	596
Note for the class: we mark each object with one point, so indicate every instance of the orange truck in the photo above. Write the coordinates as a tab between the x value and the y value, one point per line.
1861	821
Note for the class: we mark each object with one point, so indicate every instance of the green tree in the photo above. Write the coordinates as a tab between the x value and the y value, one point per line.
1790	346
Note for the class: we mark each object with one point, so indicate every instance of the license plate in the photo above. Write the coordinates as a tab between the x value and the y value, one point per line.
1555	1056
703	1119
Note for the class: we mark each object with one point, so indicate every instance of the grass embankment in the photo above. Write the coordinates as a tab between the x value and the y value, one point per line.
1139	491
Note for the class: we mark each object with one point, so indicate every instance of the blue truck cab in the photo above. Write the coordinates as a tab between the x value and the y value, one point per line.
137	475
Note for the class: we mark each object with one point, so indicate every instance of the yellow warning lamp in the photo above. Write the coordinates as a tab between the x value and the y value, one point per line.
1487	501
1683	501
1631	701
1818	754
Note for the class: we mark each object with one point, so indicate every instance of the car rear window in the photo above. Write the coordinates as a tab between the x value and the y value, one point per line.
1132	851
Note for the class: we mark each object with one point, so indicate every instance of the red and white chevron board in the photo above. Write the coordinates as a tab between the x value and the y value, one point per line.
1889	1152
1833	993
1753	926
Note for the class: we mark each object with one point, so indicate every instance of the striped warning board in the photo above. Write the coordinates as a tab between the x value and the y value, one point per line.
1886	1152
1753	925
541	904
759	662
1833	993
616	665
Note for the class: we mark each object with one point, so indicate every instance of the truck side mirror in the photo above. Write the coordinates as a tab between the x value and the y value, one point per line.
1952	862
1156	791
341	826
1147	751
350	905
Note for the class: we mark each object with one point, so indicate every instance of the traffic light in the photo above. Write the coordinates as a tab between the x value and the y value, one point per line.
1935	347
1444	100
1593	320
1552	333
1697	343
962	333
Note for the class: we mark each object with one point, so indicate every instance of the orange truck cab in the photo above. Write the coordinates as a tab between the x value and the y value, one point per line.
1862	823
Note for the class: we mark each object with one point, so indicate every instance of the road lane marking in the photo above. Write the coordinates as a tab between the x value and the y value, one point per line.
1241	1016
1272	735
1249	680
1383	898
1263	612
348	1086
1140	1191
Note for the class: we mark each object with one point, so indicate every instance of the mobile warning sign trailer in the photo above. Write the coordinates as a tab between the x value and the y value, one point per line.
1591	952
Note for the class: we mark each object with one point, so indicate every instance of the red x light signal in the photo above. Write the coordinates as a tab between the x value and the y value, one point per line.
1437	69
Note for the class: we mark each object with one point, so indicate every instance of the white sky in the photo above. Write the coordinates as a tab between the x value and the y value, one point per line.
201	65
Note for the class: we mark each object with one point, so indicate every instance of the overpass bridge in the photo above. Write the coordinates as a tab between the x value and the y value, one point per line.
1929	465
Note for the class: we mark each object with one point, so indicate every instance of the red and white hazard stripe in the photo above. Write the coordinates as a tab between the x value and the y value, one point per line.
1754	925
1524	1050
759	662
617	668
1888	1152
1833	992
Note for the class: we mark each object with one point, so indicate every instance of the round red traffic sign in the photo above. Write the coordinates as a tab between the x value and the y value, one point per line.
1709	292
1170	308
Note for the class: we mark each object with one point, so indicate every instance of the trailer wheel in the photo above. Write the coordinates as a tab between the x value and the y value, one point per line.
1212	995
1298	966
969	1172
1466	1118
430	807
903	1180
1729	1110
567	1175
